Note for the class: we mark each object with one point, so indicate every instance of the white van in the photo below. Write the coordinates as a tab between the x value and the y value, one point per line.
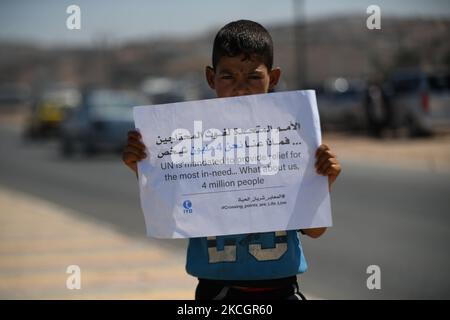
421	101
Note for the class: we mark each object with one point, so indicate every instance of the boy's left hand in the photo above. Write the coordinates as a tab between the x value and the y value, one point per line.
327	164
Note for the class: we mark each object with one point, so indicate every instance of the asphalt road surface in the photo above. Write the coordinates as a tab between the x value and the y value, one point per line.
397	219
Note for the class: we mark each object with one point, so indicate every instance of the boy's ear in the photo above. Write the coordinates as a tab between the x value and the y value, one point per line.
274	77
210	73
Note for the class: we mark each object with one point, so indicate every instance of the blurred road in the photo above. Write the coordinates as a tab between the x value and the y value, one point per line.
395	218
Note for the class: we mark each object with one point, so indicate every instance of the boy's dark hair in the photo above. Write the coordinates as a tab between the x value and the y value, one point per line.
243	37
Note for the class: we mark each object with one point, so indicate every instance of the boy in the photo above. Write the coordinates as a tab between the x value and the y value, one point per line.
245	266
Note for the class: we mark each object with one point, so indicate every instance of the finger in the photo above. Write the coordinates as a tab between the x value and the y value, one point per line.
135	137
325	156
130	158
321	148
324	168
132	150
134	134
321	152
137	144
334	170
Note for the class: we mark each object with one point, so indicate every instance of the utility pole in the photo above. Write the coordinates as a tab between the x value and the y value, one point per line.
300	54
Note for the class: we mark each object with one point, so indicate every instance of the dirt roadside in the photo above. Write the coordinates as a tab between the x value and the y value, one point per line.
425	154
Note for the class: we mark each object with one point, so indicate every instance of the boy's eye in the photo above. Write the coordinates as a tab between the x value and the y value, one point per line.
226	77
255	76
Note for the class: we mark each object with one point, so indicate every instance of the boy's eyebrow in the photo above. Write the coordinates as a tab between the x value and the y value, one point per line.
225	71
256	71
230	72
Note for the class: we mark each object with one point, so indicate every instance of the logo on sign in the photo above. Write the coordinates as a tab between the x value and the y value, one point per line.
187	205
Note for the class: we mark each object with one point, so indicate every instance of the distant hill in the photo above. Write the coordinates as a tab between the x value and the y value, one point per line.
338	46
343	46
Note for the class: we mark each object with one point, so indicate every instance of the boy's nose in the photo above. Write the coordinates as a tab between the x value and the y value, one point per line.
241	89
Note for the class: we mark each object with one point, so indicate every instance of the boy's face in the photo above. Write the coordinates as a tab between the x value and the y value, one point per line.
238	76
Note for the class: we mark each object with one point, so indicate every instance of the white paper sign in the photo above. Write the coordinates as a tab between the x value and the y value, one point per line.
232	165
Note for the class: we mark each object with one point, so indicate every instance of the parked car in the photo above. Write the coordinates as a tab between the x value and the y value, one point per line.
420	101
101	122
13	95
163	90
340	104
49	110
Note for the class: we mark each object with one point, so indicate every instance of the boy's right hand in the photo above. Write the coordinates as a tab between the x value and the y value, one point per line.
134	151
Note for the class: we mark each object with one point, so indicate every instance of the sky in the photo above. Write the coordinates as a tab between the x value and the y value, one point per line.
43	22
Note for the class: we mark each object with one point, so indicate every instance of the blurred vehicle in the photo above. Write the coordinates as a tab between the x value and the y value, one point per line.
162	90
49	110
101	122
13	94
420	101
340	104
